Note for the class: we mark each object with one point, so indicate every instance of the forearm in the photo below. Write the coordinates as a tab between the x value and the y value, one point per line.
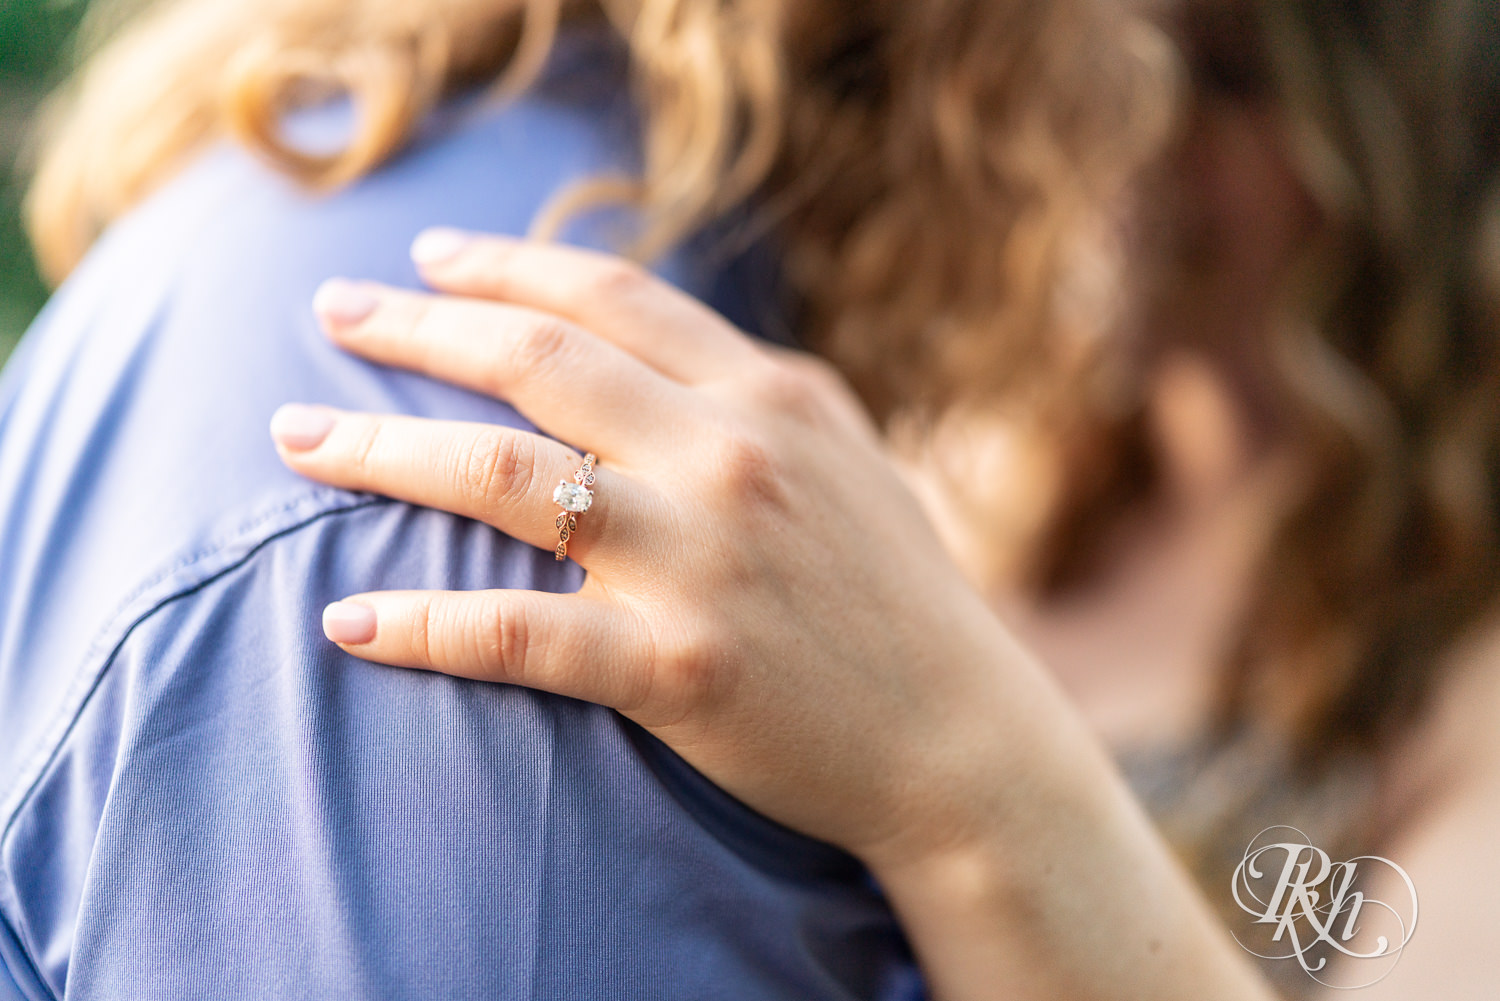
1071	893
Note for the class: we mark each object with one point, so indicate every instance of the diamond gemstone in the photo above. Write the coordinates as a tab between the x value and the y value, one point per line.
573	497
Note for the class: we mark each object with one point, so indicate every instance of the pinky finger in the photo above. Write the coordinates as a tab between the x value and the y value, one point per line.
568	644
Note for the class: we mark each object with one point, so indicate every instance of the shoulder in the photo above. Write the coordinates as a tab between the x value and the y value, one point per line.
133	428
216	740
265	815
135	465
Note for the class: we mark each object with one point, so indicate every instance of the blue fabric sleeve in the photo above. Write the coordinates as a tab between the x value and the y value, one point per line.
265	815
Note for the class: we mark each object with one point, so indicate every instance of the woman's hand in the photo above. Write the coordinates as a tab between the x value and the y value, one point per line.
764	595
762	591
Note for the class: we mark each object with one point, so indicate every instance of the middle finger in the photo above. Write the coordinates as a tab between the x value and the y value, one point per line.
567	381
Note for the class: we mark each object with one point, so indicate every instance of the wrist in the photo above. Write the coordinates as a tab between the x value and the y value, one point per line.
1055	884
996	755
1008	902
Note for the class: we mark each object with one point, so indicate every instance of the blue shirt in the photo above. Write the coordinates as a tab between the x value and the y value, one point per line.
200	797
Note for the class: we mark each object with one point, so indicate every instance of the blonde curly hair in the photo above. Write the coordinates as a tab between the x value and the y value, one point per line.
927	168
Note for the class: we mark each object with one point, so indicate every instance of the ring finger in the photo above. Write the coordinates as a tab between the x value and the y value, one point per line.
502	476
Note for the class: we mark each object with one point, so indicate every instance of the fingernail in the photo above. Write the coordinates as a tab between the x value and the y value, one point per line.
434	246
349	622
342	301
299	427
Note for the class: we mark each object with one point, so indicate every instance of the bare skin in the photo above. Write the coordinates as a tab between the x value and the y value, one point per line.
717	613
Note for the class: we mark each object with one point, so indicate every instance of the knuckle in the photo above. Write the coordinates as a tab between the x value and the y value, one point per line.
542	345
689	669
819	375
364	450
507	637
418	315
616	278
457	634
496	467
424	626
795	390
750	468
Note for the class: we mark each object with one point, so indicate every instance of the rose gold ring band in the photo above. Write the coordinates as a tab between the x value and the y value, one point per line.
574	499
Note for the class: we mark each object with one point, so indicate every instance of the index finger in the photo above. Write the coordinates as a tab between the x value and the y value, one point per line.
618	300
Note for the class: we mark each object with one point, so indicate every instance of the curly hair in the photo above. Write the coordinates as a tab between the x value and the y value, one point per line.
1388	350
927	168
1384	359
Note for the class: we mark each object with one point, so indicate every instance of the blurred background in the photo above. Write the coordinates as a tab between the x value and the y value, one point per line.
35	55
